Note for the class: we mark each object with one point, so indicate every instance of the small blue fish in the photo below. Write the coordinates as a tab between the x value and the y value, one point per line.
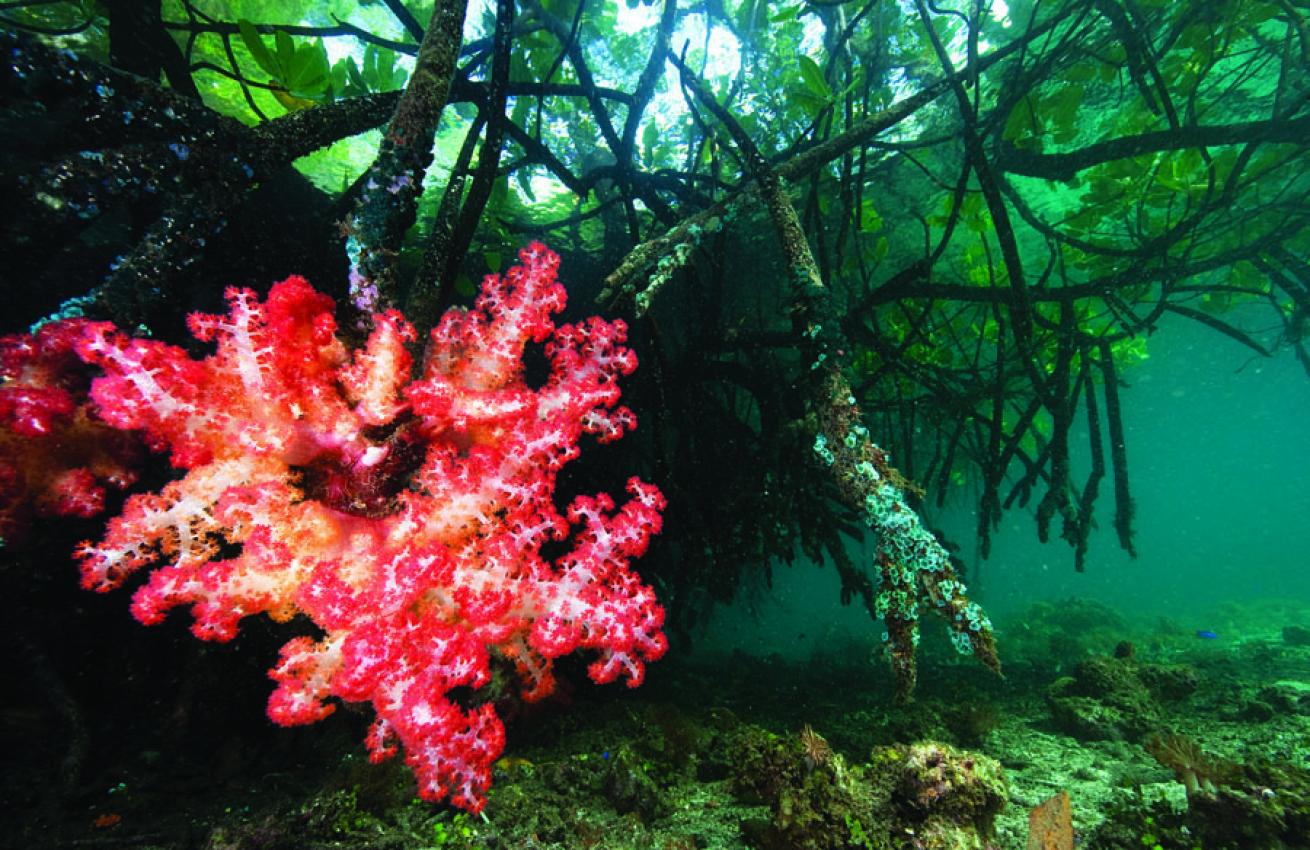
1206	634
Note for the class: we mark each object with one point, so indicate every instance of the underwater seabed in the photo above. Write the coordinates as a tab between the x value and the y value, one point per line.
1160	735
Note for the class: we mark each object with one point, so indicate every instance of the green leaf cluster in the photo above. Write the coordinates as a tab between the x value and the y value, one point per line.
299	71
377	72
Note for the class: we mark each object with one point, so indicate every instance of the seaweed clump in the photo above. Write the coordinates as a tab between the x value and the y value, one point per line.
1259	804
925	795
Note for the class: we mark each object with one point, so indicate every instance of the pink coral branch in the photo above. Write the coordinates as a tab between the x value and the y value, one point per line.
55	459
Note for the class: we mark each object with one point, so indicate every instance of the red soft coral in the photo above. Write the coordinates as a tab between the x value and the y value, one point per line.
54	459
406	519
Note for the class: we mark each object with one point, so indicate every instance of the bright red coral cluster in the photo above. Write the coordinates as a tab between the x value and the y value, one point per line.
405	518
55	459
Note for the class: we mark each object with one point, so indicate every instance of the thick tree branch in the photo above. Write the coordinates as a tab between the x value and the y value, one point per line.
443	259
1064	166
913	566
388	204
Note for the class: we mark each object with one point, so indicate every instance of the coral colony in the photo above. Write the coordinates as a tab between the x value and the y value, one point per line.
404	517
55	458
